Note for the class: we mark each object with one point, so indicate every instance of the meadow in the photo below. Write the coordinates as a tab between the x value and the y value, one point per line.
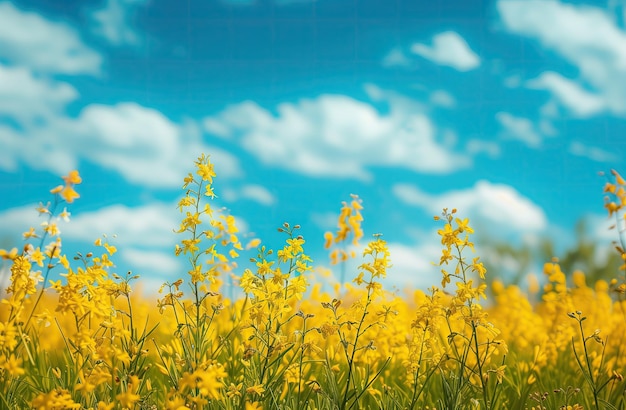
87	341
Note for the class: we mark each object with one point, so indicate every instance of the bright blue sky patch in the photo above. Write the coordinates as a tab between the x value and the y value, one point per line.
504	109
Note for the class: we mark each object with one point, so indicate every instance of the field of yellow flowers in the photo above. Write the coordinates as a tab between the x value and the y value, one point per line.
88	342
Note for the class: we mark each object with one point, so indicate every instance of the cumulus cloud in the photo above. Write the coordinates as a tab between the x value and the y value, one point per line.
27	97
15	221
144	235
253	192
413	264
396	57
153	262
139	143
442	98
593	153
602	229
113	22
569	94
518	128
338	136
28	39
477	146
588	38
147	225
497	208
449	49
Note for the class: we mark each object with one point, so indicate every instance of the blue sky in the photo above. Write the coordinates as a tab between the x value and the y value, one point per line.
503	109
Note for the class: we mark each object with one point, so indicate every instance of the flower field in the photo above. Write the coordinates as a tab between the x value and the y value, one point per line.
87	341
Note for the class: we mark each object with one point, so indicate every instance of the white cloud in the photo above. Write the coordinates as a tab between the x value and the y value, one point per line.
411	195
569	94
547	128
588	38
593	153
498	209
113	22
513	81
28	39
602	228
413	265
149	225
519	128
15	221
477	146
396	57
140	143
326	221
11	143
153	262
27	98
567	28
142	226
442	98
253	192
449	49
338	136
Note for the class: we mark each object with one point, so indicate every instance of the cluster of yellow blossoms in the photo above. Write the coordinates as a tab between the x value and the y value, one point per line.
85	340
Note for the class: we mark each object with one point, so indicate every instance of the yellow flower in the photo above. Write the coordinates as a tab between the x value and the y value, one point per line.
190	245
21	281
30	234
37	257
110	249
205	171
69	194
11	255
51	228
65	215
54	190
257	389
500	373
188	180
328	240
479	268
234	390
254	243
359	279
462	225
128	398
72	178
63	261
43	209
58	399
209	192
12	365
207	381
